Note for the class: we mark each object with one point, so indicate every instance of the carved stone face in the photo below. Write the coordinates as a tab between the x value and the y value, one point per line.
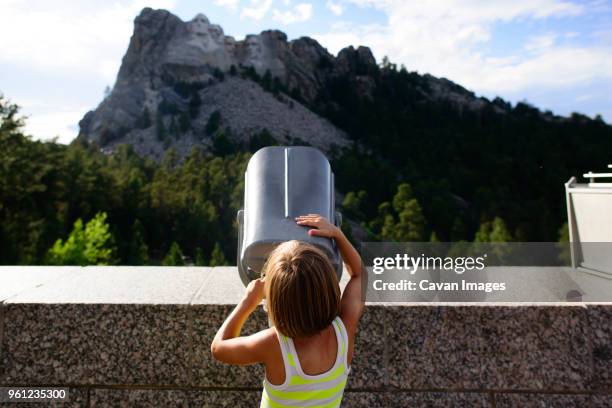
199	25
203	34
253	47
216	33
230	44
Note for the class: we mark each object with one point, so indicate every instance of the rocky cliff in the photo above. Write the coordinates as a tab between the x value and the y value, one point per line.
187	83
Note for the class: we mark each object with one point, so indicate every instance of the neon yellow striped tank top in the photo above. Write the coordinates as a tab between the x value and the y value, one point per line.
303	390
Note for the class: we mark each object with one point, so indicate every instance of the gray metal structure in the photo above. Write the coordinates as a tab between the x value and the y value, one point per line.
282	183
589	214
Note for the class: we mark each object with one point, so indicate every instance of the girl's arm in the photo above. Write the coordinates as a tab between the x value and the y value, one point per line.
227	346
353	297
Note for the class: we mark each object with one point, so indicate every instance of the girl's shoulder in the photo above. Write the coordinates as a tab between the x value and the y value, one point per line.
268	341
268	336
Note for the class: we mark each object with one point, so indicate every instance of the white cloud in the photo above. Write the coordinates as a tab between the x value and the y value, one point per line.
584	97
229	4
55	122
335	8
540	42
554	68
87	38
84	36
449	38
300	13
257	9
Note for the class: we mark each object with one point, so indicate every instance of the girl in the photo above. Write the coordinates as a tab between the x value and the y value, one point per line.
309	348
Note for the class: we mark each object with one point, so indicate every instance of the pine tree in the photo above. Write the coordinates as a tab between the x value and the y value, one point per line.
199	258
493	231
222	145
92	244
173	127
403	221
266	81
194	105
217	258
174	256
353	204
161	128
184	123
411	225
457	232
145	120
499	231
213	123
138	251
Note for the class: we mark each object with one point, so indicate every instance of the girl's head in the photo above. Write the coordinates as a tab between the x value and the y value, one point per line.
302	290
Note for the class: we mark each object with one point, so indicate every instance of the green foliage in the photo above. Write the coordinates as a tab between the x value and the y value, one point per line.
565	254
222	145
260	140
91	245
564	235
166	107
45	187
402	220
214	121
138	252
186	89
194	105
217	73
161	128
270	84
462	163
174	257
250	73
199	258
266	81
296	94
173	129
458	231
217	258
145	120
493	231
354	203
499	232
184	122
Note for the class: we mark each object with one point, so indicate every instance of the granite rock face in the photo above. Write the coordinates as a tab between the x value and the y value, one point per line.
175	74
245	109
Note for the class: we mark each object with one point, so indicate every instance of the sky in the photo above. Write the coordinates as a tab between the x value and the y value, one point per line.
57	58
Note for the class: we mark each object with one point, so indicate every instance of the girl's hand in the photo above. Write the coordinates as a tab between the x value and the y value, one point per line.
322	227
254	293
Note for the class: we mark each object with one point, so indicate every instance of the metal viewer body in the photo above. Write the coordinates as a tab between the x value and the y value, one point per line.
282	183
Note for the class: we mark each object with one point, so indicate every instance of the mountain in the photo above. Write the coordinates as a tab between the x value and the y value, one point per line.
468	160
176	76
187	83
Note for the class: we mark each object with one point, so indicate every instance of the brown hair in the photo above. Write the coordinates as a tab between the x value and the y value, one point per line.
302	289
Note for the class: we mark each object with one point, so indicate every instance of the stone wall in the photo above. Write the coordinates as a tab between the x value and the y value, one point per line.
125	336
